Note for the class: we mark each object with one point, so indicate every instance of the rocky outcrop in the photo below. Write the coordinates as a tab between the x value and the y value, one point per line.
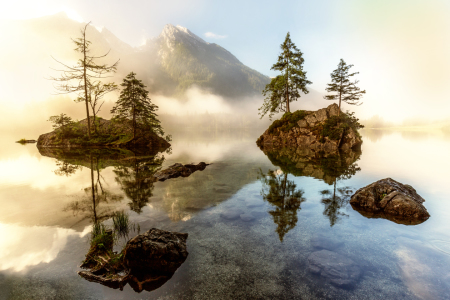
109	134
156	250
391	200
337	269
316	130
177	170
147	262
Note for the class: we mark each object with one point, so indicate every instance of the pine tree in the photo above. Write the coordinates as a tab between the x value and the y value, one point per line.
134	105
345	89
78	78
285	88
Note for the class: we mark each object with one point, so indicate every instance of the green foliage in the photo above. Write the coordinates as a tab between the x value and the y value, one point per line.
287	122
121	223
285	88
22	141
134	105
337	126
344	89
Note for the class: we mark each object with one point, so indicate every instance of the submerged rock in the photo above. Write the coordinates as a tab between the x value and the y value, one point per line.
323	242
231	214
391	200
156	250
338	269
177	170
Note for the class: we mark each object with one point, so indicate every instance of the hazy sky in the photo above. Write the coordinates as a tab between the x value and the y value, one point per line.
400	47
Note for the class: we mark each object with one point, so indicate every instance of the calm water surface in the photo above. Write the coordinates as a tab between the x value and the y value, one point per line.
244	242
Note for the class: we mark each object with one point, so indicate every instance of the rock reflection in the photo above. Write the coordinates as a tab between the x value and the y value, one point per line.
284	197
329	167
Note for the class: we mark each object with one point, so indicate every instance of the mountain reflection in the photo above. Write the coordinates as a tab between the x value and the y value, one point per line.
285	198
330	167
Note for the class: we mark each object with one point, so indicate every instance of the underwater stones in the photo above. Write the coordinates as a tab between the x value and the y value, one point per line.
337	269
157	251
247	217
390	199
177	170
323	242
231	214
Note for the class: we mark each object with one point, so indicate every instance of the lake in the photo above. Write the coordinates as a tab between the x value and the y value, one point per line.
244	243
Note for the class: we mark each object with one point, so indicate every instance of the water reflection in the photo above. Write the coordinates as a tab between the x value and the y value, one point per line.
134	174
136	179
330	168
284	197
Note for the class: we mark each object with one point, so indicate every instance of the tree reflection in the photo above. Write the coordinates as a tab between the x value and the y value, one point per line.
334	201
286	199
96	193
136	179
66	169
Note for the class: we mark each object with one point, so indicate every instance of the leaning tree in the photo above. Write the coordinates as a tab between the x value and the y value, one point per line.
134	105
286	87
344	89
80	77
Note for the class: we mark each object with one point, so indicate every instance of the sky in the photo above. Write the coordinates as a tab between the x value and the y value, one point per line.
400	47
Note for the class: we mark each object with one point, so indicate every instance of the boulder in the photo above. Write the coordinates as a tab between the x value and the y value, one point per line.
392	200
156	251
333	110
311	119
177	170
337	269
321	115
302	123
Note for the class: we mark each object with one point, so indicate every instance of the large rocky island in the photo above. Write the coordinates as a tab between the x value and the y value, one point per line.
324	130
106	133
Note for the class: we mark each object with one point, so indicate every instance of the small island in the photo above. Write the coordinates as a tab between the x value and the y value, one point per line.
324	130
109	133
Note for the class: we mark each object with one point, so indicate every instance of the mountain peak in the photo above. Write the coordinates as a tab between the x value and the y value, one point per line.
173	33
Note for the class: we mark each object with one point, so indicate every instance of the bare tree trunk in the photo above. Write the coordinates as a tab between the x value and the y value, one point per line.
85	83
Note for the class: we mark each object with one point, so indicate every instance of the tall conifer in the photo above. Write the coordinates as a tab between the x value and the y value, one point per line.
285	88
134	105
344	89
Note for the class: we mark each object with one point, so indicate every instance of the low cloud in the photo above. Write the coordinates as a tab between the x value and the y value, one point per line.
214	35
198	102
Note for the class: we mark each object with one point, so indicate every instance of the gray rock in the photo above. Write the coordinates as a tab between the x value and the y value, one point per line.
231	214
323	242
333	110
247	217
337	269
302	124
321	114
156	250
391	200
311	120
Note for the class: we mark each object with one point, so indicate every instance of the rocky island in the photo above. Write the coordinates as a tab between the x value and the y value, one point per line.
108	133
326	130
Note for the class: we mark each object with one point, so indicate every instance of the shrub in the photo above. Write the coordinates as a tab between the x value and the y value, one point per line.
288	121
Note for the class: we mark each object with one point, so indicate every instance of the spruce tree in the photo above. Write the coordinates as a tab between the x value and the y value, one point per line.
78	78
286	87
134	105
344	89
